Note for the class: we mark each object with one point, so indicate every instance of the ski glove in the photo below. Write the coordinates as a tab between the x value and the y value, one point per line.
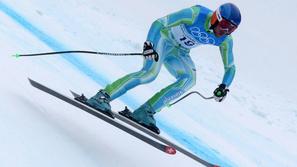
220	93
149	52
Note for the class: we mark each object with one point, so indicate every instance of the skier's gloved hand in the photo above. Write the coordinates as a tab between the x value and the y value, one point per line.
149	52
220	93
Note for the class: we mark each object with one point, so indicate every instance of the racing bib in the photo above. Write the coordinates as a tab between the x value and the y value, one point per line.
191	37
183	38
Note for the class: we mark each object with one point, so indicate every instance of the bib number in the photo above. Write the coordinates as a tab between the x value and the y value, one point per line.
183	38
187	41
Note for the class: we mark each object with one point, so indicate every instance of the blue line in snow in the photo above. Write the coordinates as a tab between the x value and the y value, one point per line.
186	140
53	44
57	46
195	145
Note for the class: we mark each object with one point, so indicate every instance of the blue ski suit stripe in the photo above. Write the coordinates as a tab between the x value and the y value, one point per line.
193	23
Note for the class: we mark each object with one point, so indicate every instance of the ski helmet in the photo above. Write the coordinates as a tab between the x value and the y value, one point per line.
226	13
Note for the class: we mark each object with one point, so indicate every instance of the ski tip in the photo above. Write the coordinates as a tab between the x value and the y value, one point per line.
170	150
31	81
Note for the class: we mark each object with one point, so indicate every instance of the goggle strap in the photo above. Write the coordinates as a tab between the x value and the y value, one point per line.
219	16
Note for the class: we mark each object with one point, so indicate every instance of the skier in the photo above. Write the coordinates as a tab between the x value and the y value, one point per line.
169	41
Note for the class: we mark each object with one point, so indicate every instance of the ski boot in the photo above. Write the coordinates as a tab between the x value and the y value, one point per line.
101	102
143	116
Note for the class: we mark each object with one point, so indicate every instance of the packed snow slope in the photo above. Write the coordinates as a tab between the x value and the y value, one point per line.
256	126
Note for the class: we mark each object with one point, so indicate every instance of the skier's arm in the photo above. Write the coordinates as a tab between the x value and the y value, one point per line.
185	16
227	57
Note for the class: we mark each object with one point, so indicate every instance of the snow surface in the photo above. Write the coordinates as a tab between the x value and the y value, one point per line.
256	126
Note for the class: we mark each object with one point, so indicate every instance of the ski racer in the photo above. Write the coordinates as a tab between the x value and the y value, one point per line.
168	43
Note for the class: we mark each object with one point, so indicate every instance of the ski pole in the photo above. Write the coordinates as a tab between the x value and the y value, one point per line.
81	51
206	98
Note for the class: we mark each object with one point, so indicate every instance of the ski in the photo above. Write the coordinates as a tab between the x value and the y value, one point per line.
164	140
161	144
154	135
158	145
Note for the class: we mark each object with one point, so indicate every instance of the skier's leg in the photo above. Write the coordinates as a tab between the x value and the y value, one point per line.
180	65
183	69
147	74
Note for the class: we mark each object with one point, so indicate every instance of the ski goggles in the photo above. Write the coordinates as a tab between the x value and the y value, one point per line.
222	24
226	27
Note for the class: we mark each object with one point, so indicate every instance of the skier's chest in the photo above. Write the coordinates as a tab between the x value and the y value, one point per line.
190	36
